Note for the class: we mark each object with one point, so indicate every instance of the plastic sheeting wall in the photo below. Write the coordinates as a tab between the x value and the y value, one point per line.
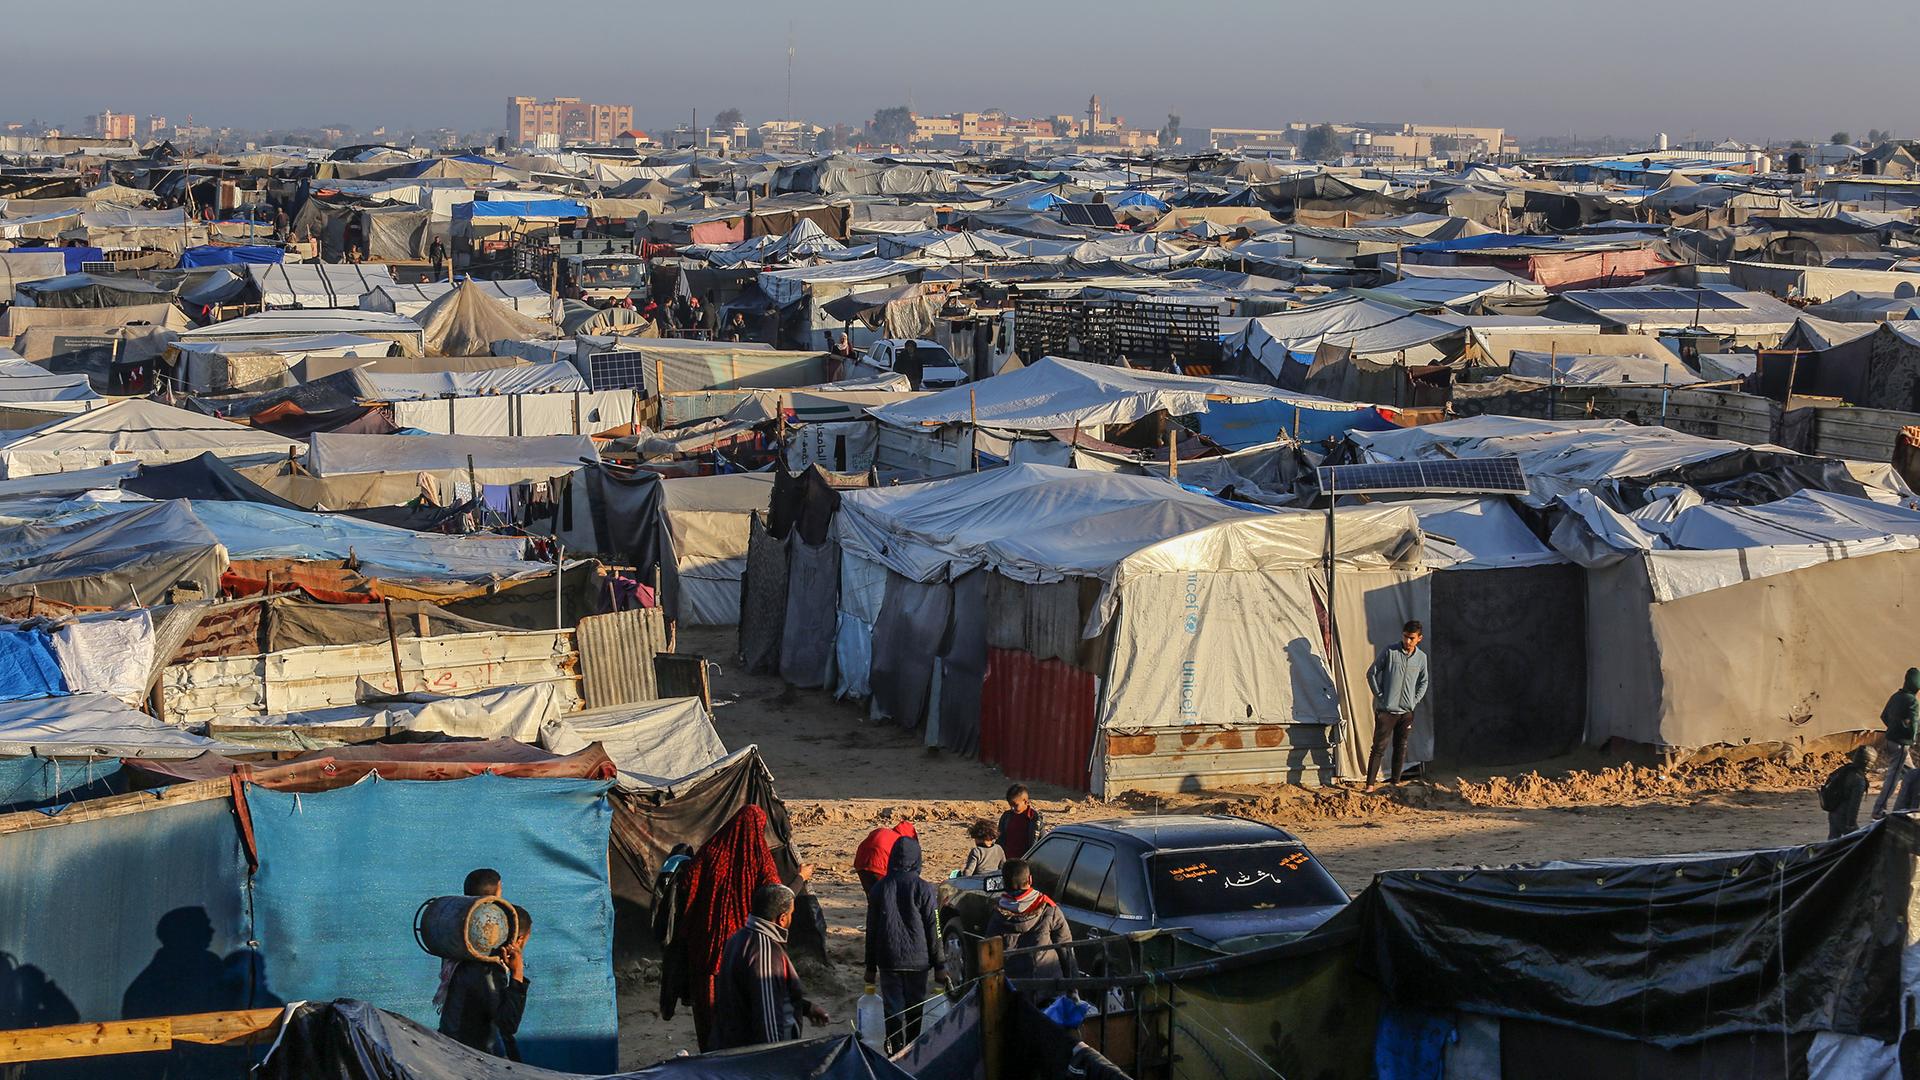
341	873
1510	646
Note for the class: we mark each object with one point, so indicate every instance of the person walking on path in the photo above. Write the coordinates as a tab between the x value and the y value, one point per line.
903	941
871	857
1398	680
758	997
722	884
1901	716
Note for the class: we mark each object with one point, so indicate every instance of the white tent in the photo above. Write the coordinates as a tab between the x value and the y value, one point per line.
1609	370
495	459
1206	614
1055	394
467	321
708	517
23	383
317	285
1365	327
382	325
523	295
133	429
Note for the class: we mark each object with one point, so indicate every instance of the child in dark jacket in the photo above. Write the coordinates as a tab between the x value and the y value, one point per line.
1843	793
903	941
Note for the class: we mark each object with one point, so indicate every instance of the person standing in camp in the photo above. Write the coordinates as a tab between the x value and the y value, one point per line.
1901	716
437	256
903	941
870	859
720	889
1398	680
986	855
907	362
1028	919
1845	789
736	327
1021	825
758	996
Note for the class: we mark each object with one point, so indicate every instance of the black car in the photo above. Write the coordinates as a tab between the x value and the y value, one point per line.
1222	883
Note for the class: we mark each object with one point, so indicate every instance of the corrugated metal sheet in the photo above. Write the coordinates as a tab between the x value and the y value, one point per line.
1200	756
616	656
1036	719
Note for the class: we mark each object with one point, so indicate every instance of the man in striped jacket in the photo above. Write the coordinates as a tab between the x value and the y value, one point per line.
758	998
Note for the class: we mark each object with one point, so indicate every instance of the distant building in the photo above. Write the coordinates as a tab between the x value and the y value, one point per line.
532	122
108	124
155	125
632	137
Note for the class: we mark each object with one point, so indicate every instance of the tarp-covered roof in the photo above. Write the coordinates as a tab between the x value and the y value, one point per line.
132	429
1041	523
1055	394
333	454
467	321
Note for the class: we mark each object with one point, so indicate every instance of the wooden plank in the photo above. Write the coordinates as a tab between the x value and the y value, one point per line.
226	1027
138	802
85	1040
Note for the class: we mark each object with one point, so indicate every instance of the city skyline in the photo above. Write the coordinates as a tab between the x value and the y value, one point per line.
1219	65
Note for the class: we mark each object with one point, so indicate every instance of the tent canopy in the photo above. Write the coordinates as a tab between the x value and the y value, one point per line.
136	429
467	321
1056	394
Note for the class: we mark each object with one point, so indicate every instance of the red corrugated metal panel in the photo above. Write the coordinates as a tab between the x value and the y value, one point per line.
1036	719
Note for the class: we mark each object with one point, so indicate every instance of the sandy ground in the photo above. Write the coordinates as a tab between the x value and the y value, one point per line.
841	776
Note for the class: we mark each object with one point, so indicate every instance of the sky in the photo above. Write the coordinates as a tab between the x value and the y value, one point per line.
1758	69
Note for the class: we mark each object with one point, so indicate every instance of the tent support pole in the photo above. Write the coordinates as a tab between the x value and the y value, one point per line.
393	644
559	584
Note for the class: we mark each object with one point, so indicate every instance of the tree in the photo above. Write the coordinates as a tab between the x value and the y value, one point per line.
1841	138
893	125
1170	135
1321	144
728	118
1876	136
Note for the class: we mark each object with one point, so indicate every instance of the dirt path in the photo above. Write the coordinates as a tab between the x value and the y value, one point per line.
841	776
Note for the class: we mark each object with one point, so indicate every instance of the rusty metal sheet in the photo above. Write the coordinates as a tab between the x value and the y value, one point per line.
1037	719
617	653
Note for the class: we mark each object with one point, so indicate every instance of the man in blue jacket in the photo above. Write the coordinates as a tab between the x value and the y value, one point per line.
903	941
1398	680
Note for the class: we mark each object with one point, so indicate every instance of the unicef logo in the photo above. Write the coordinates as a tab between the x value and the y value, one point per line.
1193	624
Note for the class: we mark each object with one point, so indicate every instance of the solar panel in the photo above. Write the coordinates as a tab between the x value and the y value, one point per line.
1479	476
618	370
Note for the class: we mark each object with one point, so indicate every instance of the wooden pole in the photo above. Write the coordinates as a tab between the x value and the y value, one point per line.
393	644
134	1036
1173	453
973	429
991	956
559	584
473	478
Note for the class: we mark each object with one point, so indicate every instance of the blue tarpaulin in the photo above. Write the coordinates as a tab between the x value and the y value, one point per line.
230	255
342	872
31	783
77	257
1239	425
28	668
135	915
535	208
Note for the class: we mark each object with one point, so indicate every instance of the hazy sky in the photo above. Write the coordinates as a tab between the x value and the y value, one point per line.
1752	69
